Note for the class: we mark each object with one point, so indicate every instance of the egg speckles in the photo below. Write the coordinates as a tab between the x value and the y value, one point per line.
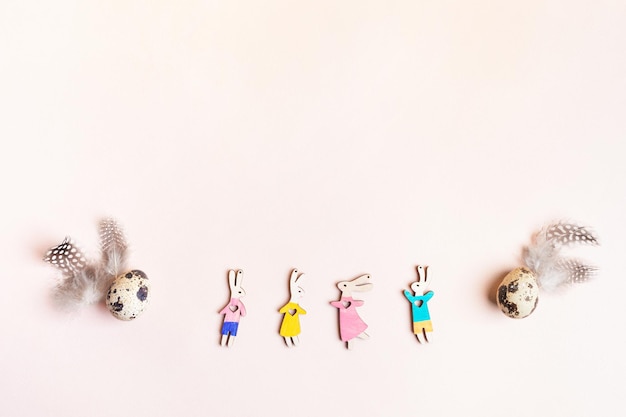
518	293
128	295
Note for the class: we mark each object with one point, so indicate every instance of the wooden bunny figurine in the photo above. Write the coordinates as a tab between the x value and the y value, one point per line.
290	327
234	310
350	323
422	327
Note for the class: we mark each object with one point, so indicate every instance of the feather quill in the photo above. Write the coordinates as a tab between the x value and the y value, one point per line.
113	246
543	255
87	281
566	234
577	271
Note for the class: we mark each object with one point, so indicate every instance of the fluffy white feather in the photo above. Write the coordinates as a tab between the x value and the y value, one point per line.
86	281
544	258
81	288
577	271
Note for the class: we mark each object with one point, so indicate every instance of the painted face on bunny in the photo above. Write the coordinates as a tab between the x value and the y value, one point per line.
236	290
360	284
297	292
422	280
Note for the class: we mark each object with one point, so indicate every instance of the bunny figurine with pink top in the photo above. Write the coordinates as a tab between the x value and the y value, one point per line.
234	310
351	325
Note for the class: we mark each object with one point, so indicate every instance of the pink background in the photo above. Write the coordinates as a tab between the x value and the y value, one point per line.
339	137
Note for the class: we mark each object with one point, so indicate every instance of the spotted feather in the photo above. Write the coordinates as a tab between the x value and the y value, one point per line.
67	257
113	245
565	234
577	272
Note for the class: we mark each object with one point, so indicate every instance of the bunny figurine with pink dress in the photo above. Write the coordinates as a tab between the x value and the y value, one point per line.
351	325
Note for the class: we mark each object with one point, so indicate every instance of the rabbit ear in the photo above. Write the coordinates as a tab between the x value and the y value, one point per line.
231	278
293	278
294	282
363	279
238	278
427	278
421	273
361	283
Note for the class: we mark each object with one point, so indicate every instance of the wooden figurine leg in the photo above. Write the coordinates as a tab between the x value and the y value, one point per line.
363	336
223	339
288	341
349	344
295	340
428	336
231	340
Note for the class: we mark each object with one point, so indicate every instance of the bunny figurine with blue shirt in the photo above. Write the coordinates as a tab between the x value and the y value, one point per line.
422	326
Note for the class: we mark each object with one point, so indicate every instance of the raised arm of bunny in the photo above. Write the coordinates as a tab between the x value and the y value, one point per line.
234	302
413	298
428	296
242	308
340	304
285	309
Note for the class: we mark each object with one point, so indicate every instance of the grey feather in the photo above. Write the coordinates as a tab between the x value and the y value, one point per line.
543	255
577	272
565	234
86	281
113	246
87	286
80	283
66	256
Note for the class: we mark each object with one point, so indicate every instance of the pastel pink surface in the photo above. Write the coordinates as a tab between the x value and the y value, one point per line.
338	137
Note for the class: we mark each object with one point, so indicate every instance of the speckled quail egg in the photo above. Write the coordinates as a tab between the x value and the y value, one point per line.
128	295
518	293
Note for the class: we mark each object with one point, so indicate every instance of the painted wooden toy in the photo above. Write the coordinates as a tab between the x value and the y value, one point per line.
234	310
351	325
290	327
545	268
422	326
